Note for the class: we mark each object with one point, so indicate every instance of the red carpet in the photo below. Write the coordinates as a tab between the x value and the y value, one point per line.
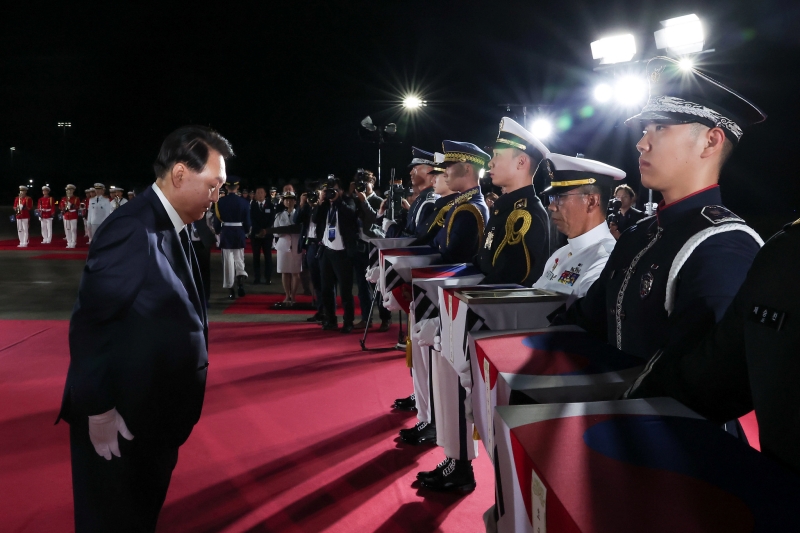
73	256
296	436
260	304
35	244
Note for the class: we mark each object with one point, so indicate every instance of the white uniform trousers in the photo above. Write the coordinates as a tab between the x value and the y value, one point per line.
71	230
22	231
232	265
94	230
47	230
453	429
87	229
422	373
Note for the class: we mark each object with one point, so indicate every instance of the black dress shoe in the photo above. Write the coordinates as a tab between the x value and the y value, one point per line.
330	327
456	476
316	318
420	434
428	475
232	295
347	328
241	290
406	402
385	325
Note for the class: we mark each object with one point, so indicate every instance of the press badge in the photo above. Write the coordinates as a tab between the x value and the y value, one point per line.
331	233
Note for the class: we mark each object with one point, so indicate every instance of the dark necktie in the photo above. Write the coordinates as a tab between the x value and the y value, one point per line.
184	233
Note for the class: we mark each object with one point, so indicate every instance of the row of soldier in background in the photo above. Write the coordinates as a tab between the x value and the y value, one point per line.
93	210
656	293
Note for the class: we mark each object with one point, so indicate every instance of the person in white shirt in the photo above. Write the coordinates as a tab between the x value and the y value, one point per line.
290	260
117	199
579	192
99	208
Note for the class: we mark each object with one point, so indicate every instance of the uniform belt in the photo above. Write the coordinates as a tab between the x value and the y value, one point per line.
231	223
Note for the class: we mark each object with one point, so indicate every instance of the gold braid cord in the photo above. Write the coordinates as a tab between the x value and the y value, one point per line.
469	208
216	209
514	236
439	220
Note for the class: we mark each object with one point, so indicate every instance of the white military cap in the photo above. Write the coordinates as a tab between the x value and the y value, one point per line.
45	187
70	186
568	172
99	186
23	187
513	135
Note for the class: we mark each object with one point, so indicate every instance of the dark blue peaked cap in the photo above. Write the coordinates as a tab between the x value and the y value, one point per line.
420	157
681	95
461	152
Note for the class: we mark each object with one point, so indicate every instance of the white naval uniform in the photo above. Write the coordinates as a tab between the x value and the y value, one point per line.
575	266
99	209
114	206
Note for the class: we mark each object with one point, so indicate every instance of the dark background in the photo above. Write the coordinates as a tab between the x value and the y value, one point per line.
288	84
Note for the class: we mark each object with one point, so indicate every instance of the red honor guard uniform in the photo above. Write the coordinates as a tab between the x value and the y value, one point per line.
23	205
69	206
47	207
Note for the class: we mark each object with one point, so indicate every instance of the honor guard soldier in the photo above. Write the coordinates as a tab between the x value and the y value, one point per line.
517	237
578	195
421	180
430	226
670	272
69	206
87	228
465	223
233	225
99	209
47	208
23	205
749	360
116	198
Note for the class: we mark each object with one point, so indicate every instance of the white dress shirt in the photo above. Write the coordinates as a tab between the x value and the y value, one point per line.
173	215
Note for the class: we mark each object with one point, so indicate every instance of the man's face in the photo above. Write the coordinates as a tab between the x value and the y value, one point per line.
624	197
45	192
199	190
118	194
667	152
502	166
69	193
369	188
455	176
568	212
91	194
130	196
22	193
261	195
99	192
419	174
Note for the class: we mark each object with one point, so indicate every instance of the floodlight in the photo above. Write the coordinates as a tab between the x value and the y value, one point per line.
630	90
391	128
617	49
541	128
12	148
603	92
686	63
681	35
413	102
368	124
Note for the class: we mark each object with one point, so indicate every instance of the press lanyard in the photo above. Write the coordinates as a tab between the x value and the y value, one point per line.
332	224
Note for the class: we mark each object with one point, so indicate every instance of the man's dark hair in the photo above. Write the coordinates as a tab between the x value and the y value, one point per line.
627	189
191	146
604	192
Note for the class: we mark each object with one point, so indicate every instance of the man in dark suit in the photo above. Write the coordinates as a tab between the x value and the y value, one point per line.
337	228
262	215
150	389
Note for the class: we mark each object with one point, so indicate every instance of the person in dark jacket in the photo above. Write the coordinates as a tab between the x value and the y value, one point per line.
262	216
233	225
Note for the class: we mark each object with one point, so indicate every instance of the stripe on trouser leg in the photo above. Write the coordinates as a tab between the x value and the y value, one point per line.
430	385
462	423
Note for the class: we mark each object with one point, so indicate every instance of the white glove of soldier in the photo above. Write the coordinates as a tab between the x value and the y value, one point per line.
391	303
386	224
103	431
373	274
437	343
425	331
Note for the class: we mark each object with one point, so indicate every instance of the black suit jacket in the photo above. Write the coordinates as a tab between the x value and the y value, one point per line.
348	222
138	334
261	219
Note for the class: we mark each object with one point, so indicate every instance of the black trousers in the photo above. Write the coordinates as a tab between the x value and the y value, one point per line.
365	288
313	263
336	265
122	495
259	246
204	264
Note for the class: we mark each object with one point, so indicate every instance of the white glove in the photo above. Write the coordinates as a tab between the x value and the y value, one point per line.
103	433
386	224
437	343
391	303
425	331
373	274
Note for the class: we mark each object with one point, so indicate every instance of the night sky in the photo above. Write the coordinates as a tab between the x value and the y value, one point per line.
288	84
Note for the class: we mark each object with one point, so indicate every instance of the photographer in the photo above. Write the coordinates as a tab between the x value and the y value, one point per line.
419	209
367	204
305	213
337	223
621	213
262	216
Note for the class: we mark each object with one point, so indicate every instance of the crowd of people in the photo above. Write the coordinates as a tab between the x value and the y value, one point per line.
659	288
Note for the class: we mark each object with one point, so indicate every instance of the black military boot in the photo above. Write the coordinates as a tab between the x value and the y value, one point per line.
430	475
406	404
457	476
419	434
241	285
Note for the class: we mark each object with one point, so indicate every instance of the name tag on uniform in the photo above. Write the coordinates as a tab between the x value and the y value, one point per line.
768	316
331	233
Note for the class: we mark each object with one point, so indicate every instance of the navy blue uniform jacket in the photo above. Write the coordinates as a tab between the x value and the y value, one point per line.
138	335
232	208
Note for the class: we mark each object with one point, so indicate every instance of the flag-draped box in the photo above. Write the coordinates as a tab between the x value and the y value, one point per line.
549	365
649	465
396	265
425	283
378	244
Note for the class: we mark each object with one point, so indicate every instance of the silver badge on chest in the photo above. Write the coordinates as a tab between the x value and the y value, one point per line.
489	239
646	284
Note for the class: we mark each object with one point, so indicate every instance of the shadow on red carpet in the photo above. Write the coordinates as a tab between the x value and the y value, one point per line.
261	304
296	436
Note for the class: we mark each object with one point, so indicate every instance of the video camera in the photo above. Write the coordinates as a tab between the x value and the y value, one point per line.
613	213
